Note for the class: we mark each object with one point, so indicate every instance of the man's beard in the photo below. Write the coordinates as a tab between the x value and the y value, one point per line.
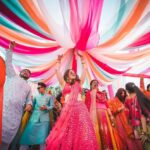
24	77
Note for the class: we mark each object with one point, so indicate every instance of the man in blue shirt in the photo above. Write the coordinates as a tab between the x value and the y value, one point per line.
38	126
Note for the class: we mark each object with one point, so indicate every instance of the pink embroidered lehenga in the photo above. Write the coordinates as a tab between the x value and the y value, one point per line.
74	129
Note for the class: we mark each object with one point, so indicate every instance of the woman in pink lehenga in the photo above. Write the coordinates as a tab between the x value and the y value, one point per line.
73	129
102	119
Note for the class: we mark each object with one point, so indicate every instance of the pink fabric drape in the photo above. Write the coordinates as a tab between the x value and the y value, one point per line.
106	67
145	39
84	24
110	90
27	49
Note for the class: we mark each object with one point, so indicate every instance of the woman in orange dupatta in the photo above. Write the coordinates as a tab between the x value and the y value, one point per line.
124	129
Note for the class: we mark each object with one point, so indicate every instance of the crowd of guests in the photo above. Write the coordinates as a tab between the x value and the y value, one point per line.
75	119
122	122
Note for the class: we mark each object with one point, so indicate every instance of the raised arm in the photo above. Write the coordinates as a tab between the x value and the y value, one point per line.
10	72
83	75
142	83
58	73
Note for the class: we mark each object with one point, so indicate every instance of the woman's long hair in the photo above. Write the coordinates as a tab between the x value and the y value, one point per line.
120	97
66	74
148	86
144	102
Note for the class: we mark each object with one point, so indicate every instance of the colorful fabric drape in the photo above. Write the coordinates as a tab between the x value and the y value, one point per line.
112	42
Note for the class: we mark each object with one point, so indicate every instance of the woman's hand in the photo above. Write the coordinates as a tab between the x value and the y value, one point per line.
82	79
82	58
58	72
12	45
143	138
93	92
80	55
112	119
60	57
121	109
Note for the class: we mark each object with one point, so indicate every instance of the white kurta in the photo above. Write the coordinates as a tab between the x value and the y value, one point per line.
17	93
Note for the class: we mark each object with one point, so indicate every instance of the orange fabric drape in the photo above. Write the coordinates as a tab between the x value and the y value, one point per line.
130	23
95	70
130	56
24	39
2	81
31	8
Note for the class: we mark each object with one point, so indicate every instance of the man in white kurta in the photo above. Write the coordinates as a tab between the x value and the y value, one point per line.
17	94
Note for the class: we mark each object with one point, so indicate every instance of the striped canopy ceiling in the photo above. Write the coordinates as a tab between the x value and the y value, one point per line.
112	35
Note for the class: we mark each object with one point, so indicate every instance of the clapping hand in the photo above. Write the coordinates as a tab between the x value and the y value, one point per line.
59	57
